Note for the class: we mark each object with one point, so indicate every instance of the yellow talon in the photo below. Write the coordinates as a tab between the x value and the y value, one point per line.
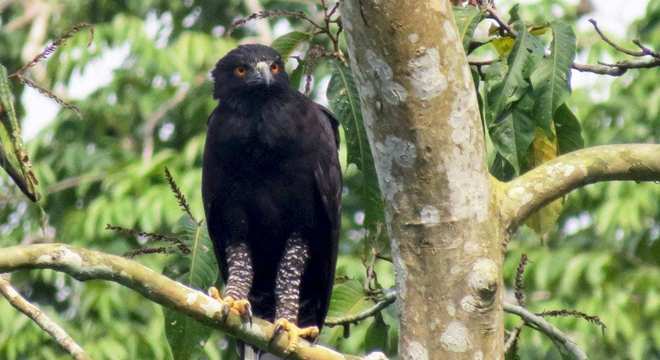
294	333
240	307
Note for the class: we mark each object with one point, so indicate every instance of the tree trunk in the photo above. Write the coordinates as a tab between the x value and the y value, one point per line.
421	115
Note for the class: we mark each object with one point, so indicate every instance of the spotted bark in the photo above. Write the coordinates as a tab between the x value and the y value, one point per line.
422	118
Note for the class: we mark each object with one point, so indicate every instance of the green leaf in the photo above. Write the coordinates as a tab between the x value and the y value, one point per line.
543	149
550	80
513	133
13	156
569	131
525	53
345	104
467	18
514	13
286	43
297	77
185	335
348	299
376	337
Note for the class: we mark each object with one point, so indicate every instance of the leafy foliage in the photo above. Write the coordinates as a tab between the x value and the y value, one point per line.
185	335
467	19
287	43
345	103
550	79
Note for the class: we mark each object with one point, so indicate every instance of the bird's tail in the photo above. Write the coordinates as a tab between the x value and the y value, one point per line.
248	352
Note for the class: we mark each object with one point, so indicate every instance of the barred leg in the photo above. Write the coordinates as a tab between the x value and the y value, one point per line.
289	278
239	265
239	281
287	292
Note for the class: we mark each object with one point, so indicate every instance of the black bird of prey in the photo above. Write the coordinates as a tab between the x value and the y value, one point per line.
271	187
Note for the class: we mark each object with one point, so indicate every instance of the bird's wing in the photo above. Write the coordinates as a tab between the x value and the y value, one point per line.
327	176
327	173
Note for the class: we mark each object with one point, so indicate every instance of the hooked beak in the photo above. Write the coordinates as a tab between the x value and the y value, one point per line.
263	74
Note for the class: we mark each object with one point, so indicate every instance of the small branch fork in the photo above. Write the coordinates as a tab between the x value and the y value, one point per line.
643	52
40	318
539	323
619	68
389	297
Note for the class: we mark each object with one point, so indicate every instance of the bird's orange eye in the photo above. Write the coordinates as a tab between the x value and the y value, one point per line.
240	71
274	68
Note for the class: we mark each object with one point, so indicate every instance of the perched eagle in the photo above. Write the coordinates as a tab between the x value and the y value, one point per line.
271	187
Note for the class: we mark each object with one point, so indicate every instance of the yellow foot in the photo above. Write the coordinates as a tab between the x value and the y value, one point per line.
294	332
240	307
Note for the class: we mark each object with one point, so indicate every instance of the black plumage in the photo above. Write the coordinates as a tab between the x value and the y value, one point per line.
271	187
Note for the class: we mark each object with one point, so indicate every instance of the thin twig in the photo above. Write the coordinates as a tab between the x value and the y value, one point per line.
519	285
269	14
577	314
512	341
149	250
153	237
180	198
47	93
41	319
644	52
539	323
54	45
492	14
618	68
389	296
384	257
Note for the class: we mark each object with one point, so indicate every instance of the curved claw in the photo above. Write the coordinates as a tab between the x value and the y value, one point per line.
240	307
294	333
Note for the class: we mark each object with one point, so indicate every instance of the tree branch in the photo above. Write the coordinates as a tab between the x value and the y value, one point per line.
531	191
388	299
563	342
85	264
616	69
644	50
40	318
537	322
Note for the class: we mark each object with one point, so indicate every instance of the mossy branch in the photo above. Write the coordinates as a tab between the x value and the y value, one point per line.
529	192
85	264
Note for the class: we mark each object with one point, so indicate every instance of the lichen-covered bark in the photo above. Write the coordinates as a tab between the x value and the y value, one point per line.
524	195
57	333
88	265
421	115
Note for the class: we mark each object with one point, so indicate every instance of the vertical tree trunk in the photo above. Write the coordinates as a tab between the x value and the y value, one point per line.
421	114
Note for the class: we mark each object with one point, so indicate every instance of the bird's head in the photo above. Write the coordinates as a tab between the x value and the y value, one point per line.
249	70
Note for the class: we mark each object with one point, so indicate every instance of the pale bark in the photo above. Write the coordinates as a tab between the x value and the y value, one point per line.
564	343
89	265
524	195
421	115
30	310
